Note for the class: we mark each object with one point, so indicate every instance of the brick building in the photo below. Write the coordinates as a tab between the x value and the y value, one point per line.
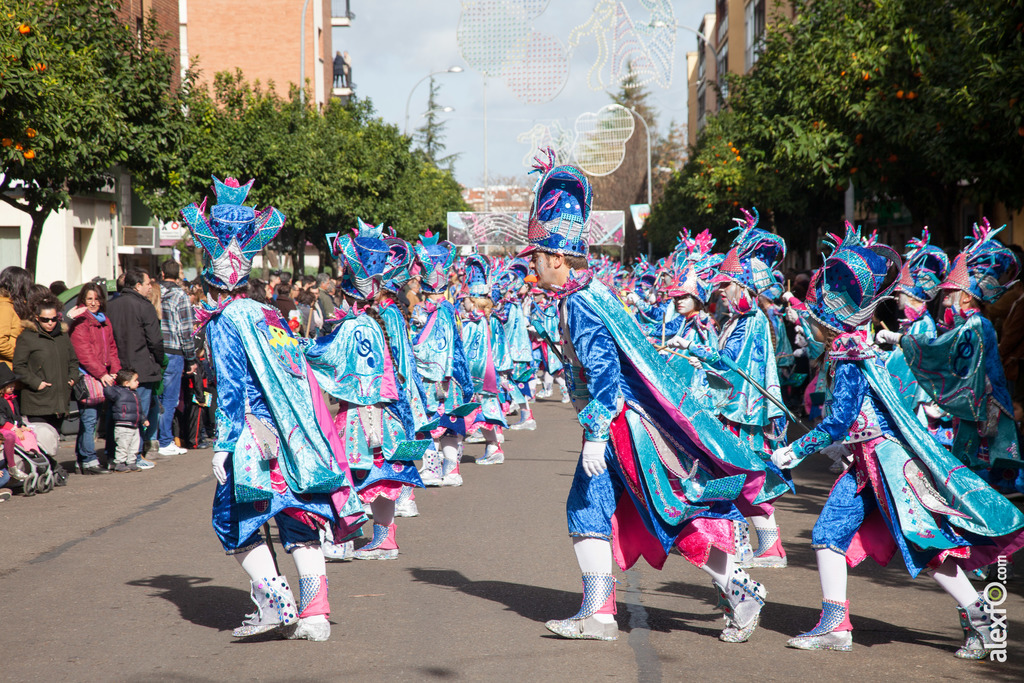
263	40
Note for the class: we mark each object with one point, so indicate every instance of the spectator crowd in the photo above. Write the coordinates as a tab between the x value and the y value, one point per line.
122	366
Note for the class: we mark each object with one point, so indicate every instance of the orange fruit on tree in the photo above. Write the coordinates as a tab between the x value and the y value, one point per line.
29	154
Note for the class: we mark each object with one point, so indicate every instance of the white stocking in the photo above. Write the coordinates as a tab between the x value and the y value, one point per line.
450	447
720	567
383	511
309	561
954	581
595	557
761	522
258	563
561	382
832	574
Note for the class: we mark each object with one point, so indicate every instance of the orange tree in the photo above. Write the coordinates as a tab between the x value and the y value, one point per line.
80	92
913	101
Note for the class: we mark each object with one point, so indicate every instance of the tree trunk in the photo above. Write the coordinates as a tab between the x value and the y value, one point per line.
34	235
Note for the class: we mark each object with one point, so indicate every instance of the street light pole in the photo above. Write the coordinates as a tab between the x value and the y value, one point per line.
302	53
647	131
408	100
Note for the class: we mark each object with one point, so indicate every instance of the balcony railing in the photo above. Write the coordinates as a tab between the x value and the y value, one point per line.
341	13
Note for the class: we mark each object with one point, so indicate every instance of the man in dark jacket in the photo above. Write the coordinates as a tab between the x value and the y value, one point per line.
139	341
177	325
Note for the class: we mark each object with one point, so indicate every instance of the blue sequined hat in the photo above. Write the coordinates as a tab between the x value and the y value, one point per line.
854	279
364	257
436	259
399	268
985	269
560	217
754	255
692	267
924	267
233	235
478	276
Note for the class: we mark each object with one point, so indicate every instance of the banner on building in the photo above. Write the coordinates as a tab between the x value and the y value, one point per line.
640	213
508	229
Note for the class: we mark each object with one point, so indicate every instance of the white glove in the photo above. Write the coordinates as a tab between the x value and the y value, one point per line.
792	315
695	362
783	457
593	457
800	352
678	342
219	458
888	337
632	298
420	319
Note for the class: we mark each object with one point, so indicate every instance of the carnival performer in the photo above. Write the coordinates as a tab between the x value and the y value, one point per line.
746	340
656	470
399	273
441	361
509	311
961	369
355	364
276	450
924	268
904	493
545	337
487	355
692	331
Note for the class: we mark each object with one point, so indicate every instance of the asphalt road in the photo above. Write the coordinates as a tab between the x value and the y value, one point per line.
120	578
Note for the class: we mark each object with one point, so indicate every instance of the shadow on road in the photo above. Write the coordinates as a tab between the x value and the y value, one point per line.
541	604
217	607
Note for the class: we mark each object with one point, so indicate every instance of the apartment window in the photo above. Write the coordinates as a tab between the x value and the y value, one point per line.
755	25
701	102
10	246
722	68
722	18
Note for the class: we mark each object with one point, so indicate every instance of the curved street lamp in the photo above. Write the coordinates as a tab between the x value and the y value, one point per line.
408	100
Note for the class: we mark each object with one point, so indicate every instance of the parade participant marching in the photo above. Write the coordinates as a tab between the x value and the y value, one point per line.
692	330
656	470
509	311
487	355
275	455
354	363
746	340
961	369
924	268
904	493
441	361
399	273
545	337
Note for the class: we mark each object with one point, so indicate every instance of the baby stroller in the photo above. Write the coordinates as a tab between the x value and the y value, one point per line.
37	472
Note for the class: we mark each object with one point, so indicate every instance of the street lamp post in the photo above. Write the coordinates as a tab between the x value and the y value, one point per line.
302	53
647	131
408	100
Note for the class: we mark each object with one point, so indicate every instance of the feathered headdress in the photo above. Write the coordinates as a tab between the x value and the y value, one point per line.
366	257
692	274
924	267
233	235
854	279
560	217
436	259
985	269
754	255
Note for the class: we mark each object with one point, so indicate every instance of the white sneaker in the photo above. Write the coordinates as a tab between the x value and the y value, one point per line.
181	451
340	552
565	398
407	508
430	478
308	629
143	464
170	450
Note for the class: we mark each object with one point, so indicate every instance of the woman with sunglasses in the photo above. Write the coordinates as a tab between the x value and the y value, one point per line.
45	361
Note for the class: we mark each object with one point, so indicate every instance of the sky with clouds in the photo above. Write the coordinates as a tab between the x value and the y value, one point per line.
395	43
